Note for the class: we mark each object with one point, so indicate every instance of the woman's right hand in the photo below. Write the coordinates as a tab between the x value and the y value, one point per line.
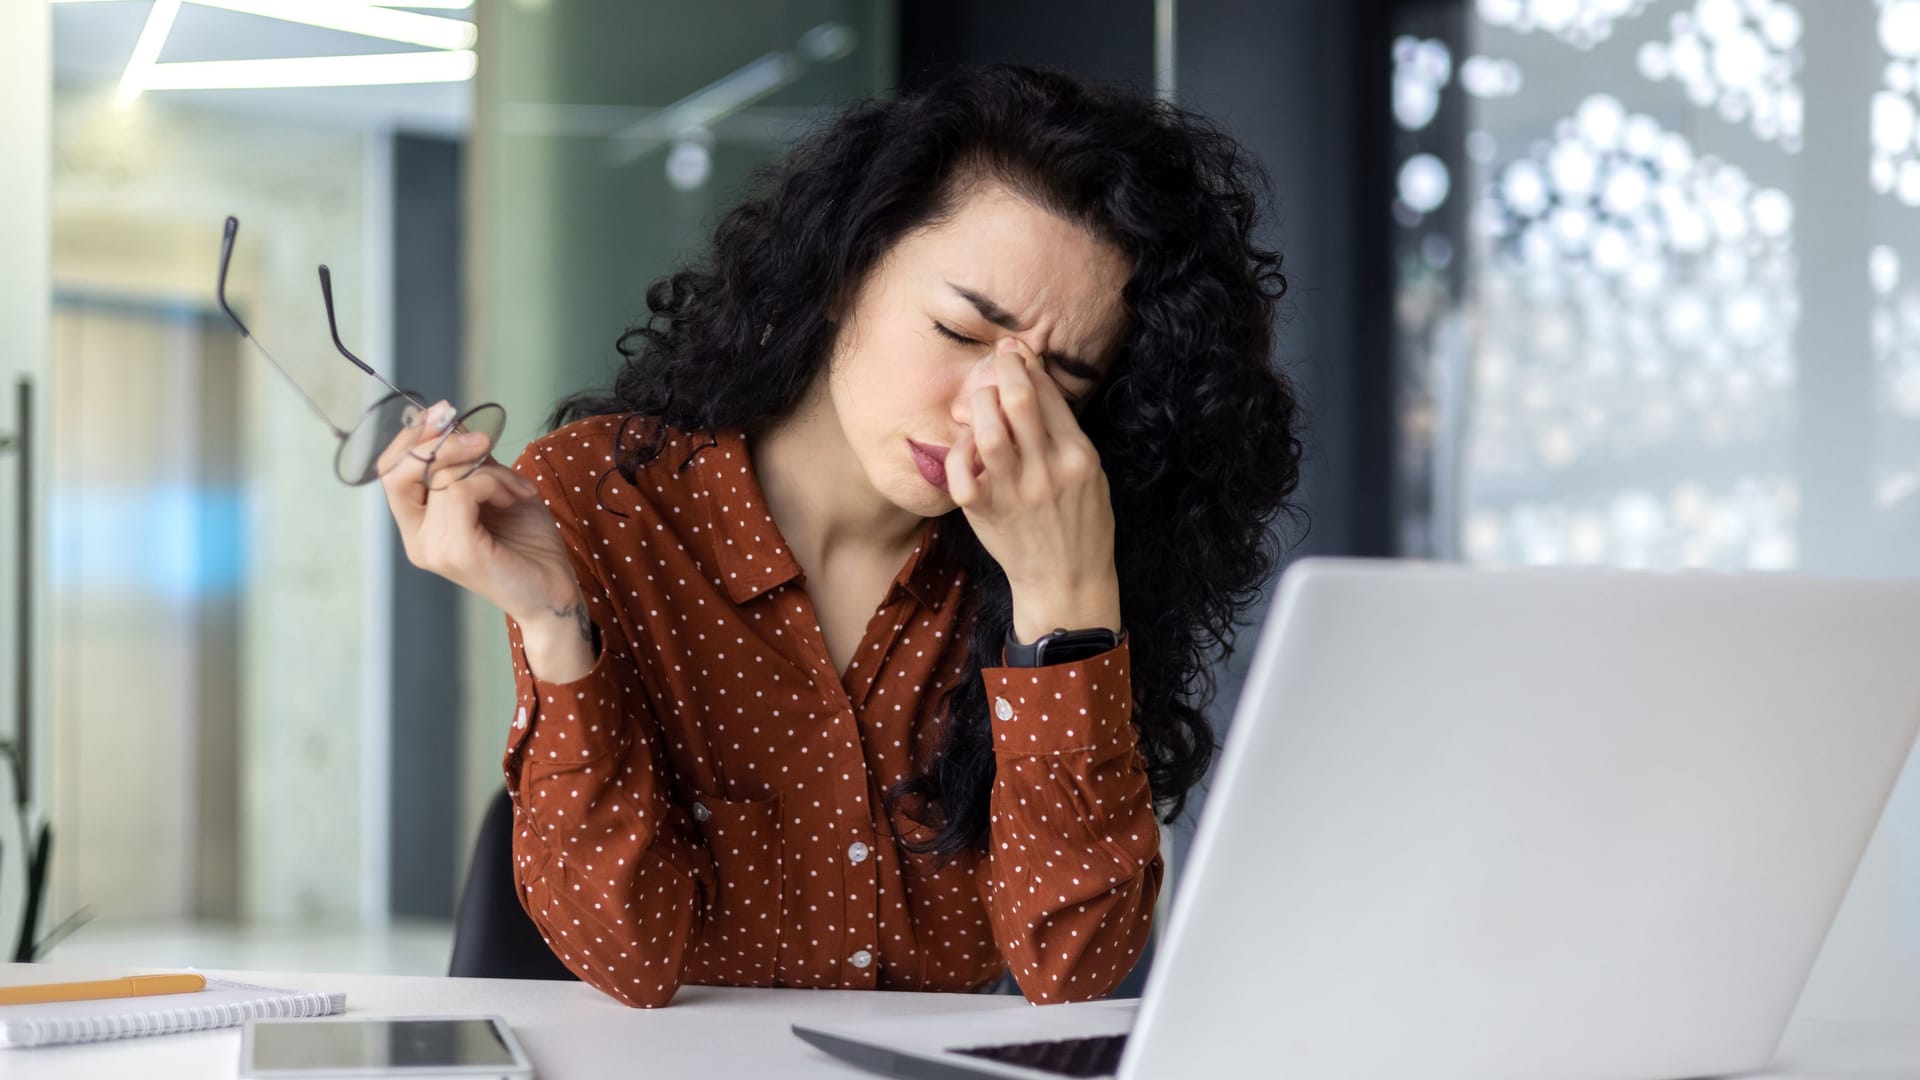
489	533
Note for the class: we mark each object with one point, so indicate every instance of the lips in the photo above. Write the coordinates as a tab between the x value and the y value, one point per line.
932	462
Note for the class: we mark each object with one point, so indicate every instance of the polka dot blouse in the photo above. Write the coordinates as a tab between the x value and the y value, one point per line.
706	804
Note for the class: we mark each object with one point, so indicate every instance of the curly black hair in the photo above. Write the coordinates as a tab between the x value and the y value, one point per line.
1195	427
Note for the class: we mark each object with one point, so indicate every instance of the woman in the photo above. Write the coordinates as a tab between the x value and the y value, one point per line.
860	629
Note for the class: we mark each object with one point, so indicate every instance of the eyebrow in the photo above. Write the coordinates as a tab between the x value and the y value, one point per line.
1004	319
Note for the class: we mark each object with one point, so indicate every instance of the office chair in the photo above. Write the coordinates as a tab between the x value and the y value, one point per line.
492	936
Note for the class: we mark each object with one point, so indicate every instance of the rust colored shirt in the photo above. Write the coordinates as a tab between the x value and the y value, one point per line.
706	804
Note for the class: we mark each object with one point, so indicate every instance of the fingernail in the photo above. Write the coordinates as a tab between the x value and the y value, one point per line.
440	417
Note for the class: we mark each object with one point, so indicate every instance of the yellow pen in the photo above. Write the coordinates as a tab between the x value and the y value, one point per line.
130	986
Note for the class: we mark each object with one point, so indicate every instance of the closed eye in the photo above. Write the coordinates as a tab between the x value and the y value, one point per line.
951	336
945	332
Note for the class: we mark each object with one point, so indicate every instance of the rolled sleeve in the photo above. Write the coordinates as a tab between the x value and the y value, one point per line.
1063	708
567	722
1073	850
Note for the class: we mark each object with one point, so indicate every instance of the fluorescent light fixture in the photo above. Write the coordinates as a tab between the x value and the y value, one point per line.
732	92
423	5
350	16
378	70
152	37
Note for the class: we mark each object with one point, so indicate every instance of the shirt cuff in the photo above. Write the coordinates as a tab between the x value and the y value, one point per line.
1083	705
565	723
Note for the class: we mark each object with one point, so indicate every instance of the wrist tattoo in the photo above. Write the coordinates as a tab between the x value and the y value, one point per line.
578	611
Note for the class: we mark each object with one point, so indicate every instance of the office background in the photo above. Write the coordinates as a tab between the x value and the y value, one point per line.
1573	281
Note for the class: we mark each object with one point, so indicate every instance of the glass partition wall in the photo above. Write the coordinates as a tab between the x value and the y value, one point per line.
267	740
1650	306
607	137
1655	307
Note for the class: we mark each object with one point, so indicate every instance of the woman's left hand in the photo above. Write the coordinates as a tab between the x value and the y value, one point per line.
1040	505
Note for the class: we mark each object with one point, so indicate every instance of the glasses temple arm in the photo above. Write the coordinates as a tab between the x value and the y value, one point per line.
333	327
220	286
220	294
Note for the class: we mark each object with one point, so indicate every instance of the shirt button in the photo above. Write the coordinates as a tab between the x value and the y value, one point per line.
857	852
1002	708
861	959
700	812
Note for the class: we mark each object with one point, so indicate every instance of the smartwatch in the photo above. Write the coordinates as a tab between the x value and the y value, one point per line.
1062	646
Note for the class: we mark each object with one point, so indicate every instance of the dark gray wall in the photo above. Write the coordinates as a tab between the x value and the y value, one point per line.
1303	84
1101	39
423	780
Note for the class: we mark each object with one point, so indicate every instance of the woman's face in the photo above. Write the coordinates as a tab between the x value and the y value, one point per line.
920	337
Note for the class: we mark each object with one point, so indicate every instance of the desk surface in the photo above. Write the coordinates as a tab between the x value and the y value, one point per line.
571	1030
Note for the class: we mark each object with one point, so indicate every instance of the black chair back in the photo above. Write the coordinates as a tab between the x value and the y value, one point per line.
492	936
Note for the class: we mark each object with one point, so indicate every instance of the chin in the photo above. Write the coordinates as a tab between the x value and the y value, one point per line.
927	503
915	495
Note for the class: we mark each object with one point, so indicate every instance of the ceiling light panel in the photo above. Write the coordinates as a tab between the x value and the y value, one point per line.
413	28
153	37
384	69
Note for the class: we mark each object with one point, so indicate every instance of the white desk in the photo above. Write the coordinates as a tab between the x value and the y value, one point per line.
573	1031
569	1029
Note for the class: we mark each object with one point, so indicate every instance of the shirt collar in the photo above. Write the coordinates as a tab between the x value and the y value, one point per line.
747	547
924	577
754	558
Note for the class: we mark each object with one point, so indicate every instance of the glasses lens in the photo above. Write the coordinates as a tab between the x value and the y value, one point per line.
375	444
489	420
389	436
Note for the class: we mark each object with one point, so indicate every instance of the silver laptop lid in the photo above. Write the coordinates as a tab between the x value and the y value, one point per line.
1551	824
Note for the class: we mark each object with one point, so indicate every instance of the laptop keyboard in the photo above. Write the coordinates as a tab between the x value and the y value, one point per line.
1096	1056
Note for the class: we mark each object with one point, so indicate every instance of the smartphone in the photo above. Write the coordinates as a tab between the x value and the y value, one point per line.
400	1047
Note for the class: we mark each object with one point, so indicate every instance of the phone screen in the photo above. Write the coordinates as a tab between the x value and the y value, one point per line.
374	1044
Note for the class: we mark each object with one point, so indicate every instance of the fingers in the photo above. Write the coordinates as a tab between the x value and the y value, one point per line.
967	489
1063	425
456	453
436	528
1024	432
403	464
1065	455
992	436
1019	375
1057	425
454	514
451	538
395	452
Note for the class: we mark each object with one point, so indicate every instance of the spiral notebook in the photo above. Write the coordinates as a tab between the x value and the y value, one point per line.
221	1004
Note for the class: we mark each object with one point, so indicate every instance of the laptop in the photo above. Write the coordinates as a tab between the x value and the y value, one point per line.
1551	824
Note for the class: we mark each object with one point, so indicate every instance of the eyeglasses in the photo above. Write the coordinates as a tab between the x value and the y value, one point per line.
371	447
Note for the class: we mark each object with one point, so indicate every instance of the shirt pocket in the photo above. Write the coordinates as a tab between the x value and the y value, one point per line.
738	939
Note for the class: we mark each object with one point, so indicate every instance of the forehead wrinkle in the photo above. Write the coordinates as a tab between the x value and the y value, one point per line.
993	312
1035	268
